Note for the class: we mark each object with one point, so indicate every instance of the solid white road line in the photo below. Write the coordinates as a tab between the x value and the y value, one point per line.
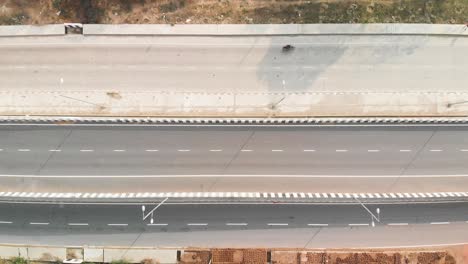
397	224
24	150
6	222
86	150
78	224
277	224
440	223
38	223
317	224
197	224
158	224
117	224
237	175
236	224
358	224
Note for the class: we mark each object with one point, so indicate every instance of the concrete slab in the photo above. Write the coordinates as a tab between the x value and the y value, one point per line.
47	253
7	252
93	254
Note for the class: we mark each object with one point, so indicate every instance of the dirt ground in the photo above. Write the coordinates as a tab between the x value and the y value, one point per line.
16	12
447	255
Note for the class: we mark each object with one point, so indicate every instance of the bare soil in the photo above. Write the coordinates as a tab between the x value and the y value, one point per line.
17	12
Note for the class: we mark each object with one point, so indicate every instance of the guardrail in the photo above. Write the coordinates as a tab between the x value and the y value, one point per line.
331	121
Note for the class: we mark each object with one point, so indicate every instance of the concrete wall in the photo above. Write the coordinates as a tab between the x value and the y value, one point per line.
28	30
276	29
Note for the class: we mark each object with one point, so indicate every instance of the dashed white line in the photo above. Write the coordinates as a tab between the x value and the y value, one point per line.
435	150
216	150
183	150
246	150
405	150
440	223
317	224
277	224
39	223
358	224
119	150
373	150
341	150
197	224
397	224
78	224
24	150
158	224
151	150
276	150
309	150
117	224
1	149
6	222
86	150
55	150
464	150
236	224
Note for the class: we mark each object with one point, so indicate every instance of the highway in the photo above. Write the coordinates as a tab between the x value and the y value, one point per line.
227	225
77	150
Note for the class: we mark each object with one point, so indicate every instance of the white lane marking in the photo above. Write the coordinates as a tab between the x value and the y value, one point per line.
78	224
183	150
440	223
216	150
158	224
309	150
277	224
276	150
152	150
86	150
405	150
373	150
397	224
38	223
117	224
435	150
464	150
197	224
61	80
119	150
1	149
246	150
236	224
358	224
6	222
24	150
55	150
341	150
317	224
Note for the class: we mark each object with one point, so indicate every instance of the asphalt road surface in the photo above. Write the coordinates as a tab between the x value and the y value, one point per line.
231	225
95	150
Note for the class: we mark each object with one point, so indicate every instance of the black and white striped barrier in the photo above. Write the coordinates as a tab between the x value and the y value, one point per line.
322	121
73	27
234	197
